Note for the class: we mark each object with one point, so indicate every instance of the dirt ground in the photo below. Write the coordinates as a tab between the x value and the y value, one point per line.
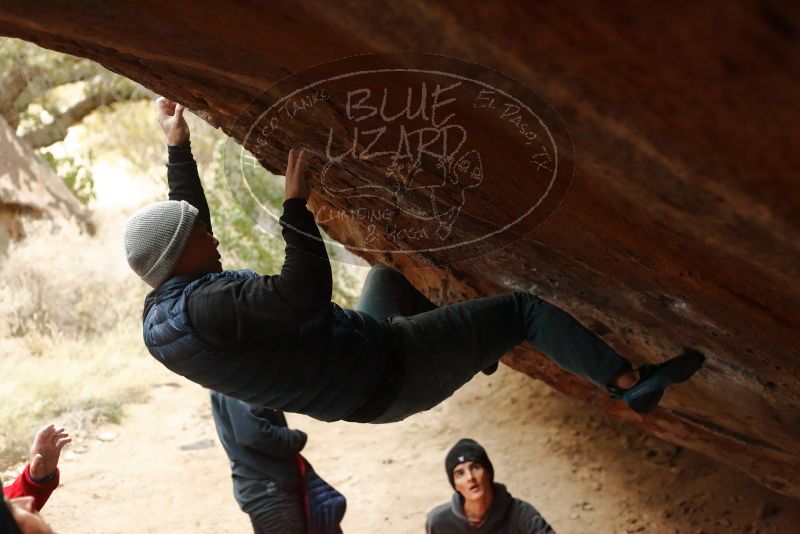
163	471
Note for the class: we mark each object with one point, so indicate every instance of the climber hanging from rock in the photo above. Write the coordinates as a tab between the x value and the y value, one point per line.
279	341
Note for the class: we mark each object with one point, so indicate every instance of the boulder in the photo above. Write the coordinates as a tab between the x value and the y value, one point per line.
680	220
29	187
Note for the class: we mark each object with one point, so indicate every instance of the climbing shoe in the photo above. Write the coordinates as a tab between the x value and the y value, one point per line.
490	370
655	379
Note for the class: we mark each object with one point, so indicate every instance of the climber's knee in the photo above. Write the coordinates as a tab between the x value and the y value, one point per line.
527	300
380	272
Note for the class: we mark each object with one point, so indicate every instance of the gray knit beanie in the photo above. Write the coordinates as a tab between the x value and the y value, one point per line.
155	237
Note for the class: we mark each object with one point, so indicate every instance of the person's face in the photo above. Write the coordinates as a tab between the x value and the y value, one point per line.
472	481
28	520
200	253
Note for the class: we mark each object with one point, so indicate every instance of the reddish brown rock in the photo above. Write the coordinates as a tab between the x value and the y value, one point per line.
679	228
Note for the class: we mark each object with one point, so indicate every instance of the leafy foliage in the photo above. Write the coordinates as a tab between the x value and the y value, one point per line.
77	176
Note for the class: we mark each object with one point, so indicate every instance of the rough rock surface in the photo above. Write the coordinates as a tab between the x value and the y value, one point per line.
679	228
28	187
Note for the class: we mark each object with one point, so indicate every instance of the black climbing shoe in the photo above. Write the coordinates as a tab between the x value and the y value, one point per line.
655	379
490	370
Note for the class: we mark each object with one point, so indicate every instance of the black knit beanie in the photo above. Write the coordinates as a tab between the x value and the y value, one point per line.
466	450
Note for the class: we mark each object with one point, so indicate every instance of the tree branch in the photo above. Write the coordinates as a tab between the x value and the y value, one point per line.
12	85
41	83
57	130
23	83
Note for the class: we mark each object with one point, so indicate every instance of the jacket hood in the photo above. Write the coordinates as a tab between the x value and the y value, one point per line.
498	510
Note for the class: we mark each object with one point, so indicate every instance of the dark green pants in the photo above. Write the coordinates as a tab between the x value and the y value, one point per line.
445	347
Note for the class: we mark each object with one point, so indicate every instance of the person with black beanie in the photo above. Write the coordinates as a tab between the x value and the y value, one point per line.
480	504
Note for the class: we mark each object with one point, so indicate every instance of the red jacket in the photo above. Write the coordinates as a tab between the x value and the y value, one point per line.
24	486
